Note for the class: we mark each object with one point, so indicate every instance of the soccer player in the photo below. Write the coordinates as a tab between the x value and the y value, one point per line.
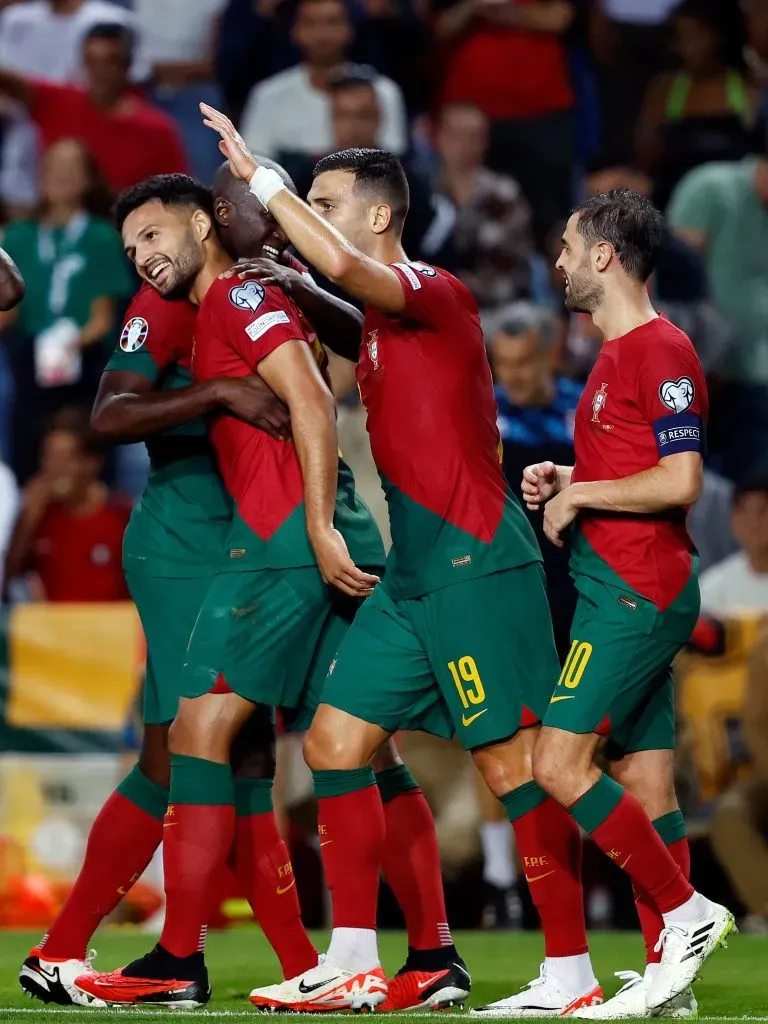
639	435
458	638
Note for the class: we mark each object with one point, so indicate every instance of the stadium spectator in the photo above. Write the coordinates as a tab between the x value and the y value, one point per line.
9	506
740	582
739	827
128	137
703	112
630	40
709	521
44	39
509	60
72	261
493	234
536	414
70	530
721	210
288	116
181	52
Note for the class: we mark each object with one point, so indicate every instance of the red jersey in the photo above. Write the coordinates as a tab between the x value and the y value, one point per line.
645	398
239	324
130	143
426	384
78	557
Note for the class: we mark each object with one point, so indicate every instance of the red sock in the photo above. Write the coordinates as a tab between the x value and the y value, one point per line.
412	868
263	867
651	921
628	838
197	839
549	845
352	831
120	846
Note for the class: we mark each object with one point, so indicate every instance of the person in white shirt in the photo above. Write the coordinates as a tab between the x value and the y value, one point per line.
740	582
44	39
290	113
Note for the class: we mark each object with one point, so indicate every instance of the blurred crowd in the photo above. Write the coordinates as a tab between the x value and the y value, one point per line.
505	113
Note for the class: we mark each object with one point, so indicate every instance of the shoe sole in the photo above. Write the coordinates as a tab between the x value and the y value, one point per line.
719	943
33	988
362	1004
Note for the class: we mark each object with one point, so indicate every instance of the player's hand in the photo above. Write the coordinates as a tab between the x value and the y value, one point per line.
559	513
336	567
251	400
539	484
269	271
242	162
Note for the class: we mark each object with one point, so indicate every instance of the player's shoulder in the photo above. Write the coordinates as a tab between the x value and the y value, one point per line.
418	275
245	295
155	321
656	338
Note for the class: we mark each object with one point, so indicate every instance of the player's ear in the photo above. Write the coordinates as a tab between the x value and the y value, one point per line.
381	218
221	211
603	256
202	224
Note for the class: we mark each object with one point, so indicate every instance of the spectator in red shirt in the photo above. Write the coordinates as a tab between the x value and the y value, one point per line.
70	530
507	58
128	137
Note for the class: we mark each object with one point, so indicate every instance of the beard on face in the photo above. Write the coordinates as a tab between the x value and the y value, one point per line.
184	269
583	295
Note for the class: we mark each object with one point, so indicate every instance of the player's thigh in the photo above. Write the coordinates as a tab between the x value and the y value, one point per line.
168	609
611	673
253	749
492	651
381	673
256	634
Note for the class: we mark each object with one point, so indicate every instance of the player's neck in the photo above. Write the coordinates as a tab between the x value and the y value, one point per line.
217	263
387	250
623	312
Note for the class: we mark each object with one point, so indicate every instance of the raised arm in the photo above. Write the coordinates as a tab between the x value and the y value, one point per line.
292	373
319	242
128	408
12	287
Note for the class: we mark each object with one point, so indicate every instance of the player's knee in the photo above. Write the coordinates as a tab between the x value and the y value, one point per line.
154	757
546	770
386	757
328	751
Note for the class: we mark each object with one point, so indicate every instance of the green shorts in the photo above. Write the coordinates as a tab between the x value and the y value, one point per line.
617	679
475	659
256	635
168	608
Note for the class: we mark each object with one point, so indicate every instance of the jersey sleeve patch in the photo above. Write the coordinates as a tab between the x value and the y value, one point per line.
262	324
134	334
409	275
248	295
680	432
677	395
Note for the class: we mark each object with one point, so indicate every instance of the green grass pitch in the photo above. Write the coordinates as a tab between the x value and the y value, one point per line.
734	984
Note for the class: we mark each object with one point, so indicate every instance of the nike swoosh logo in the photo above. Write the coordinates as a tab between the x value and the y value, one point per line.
281	891
556	699
625	862
168	824
326	843
50	975
431	981
537	878
311	988
468	721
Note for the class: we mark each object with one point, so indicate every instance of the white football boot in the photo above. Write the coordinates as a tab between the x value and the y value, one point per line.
322	988
542	997
684	948
631	1002
53	981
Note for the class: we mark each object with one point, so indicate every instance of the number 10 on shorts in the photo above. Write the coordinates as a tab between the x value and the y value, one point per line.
575	663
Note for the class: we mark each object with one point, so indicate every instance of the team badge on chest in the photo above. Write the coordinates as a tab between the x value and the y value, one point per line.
598	404
373	348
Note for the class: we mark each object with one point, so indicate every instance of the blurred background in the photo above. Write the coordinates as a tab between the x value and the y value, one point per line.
505	113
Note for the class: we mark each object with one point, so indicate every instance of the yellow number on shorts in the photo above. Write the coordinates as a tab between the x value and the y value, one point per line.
466	672
575	663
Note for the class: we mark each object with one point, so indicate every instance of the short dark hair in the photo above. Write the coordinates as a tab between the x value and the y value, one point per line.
627	221
169	189
377	172
113	31
754	483
76	420
351	76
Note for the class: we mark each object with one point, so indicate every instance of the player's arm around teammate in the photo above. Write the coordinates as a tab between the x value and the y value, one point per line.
12	287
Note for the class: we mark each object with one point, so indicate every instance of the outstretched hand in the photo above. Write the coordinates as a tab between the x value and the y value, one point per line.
242	162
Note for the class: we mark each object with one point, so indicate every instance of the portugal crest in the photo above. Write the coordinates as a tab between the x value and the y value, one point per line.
598	402
373	347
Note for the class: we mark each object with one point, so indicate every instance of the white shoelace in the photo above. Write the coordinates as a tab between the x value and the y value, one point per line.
630	978
671	931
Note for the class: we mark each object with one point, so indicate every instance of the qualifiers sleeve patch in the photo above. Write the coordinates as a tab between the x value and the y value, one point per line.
262	324
135	333
412	278
681	432
248	295
678	394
